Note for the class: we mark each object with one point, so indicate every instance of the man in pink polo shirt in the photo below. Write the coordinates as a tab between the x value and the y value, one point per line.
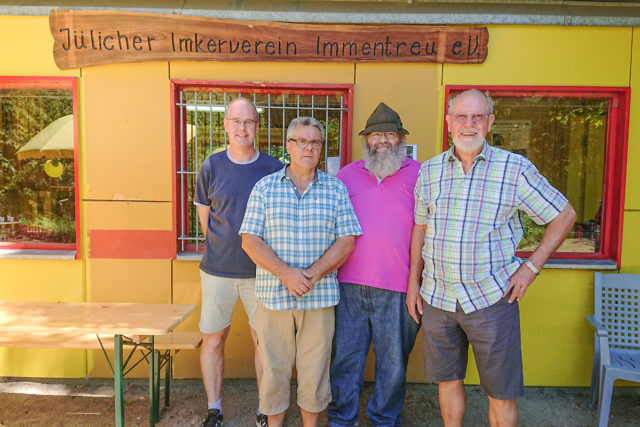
373	280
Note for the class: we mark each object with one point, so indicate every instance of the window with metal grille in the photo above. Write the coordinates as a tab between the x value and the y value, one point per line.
199	132
577	138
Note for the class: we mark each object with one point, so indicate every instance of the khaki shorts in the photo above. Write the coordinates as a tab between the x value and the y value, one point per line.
219	299
295	337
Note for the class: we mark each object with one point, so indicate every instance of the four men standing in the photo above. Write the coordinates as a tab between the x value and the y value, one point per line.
443	242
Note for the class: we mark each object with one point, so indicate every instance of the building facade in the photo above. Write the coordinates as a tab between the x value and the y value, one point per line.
110	217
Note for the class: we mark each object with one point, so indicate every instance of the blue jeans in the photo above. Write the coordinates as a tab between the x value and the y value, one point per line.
367	314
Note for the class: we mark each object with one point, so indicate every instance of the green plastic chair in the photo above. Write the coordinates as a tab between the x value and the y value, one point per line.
617	343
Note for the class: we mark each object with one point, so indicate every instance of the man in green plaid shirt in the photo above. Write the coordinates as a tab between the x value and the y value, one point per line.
299	227
465	279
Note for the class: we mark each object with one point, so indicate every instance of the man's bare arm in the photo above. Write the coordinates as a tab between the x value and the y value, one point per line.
203	216
414	299
552	238
293	278
332	258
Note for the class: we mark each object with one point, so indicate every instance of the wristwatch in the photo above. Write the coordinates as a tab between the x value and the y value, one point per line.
532	267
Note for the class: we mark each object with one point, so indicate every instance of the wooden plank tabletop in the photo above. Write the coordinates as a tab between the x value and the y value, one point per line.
170	341
95	318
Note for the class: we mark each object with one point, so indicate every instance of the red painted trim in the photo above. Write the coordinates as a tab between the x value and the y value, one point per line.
258	87
615	161
131	244
608	198
40	246
76	168
48	82
524	91
615	174
174	166
445	128
567	255
36	82
346	157
184	187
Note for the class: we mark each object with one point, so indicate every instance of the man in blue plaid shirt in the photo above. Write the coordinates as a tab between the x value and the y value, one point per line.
299	227
467	228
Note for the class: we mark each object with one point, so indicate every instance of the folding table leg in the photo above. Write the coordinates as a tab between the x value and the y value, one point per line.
118	383
167	378
156	389
152	384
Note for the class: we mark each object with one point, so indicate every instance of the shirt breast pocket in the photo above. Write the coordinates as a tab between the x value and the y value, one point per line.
498	205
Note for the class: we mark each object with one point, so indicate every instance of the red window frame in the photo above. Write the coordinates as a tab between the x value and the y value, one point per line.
69	83
178	85
615	161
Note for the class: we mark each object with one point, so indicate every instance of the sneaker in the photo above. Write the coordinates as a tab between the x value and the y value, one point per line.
262	421
214	419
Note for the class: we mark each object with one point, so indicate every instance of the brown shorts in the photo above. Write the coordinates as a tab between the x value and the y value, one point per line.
300	338
494	335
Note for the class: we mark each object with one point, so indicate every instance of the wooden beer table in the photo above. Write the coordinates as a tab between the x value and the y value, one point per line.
86	325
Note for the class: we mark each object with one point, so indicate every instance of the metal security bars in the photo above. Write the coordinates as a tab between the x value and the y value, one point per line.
200	132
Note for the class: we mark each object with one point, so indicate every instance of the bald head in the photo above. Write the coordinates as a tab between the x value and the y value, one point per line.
239	101
474	93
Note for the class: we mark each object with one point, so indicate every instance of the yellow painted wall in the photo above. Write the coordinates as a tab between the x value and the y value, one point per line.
410	89
127	154
26	48
555	56
41	280
127	118
295	72
631	237
632	198
128	215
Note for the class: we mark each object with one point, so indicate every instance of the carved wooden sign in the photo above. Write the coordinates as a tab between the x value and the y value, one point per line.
86	38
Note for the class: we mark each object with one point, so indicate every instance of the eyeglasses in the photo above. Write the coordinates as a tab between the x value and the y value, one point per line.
240	123
304	143
377	136
475	118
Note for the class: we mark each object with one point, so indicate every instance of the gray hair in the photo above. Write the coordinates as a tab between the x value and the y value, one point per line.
240	99
304	121
473	92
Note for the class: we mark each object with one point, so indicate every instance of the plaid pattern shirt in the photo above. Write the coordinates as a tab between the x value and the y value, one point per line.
299	228
474	225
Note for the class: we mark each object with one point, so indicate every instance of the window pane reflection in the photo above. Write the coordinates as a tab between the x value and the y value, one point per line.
37	197
565	138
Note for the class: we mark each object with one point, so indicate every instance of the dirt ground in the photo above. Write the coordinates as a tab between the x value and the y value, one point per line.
44	402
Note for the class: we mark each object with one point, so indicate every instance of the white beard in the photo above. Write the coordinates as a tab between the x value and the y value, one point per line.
385	163
469	146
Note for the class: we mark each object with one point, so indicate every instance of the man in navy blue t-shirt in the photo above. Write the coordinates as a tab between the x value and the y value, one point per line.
222	190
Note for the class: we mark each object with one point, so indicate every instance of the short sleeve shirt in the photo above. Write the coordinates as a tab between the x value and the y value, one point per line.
224	185
473	224
381	256
299	228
